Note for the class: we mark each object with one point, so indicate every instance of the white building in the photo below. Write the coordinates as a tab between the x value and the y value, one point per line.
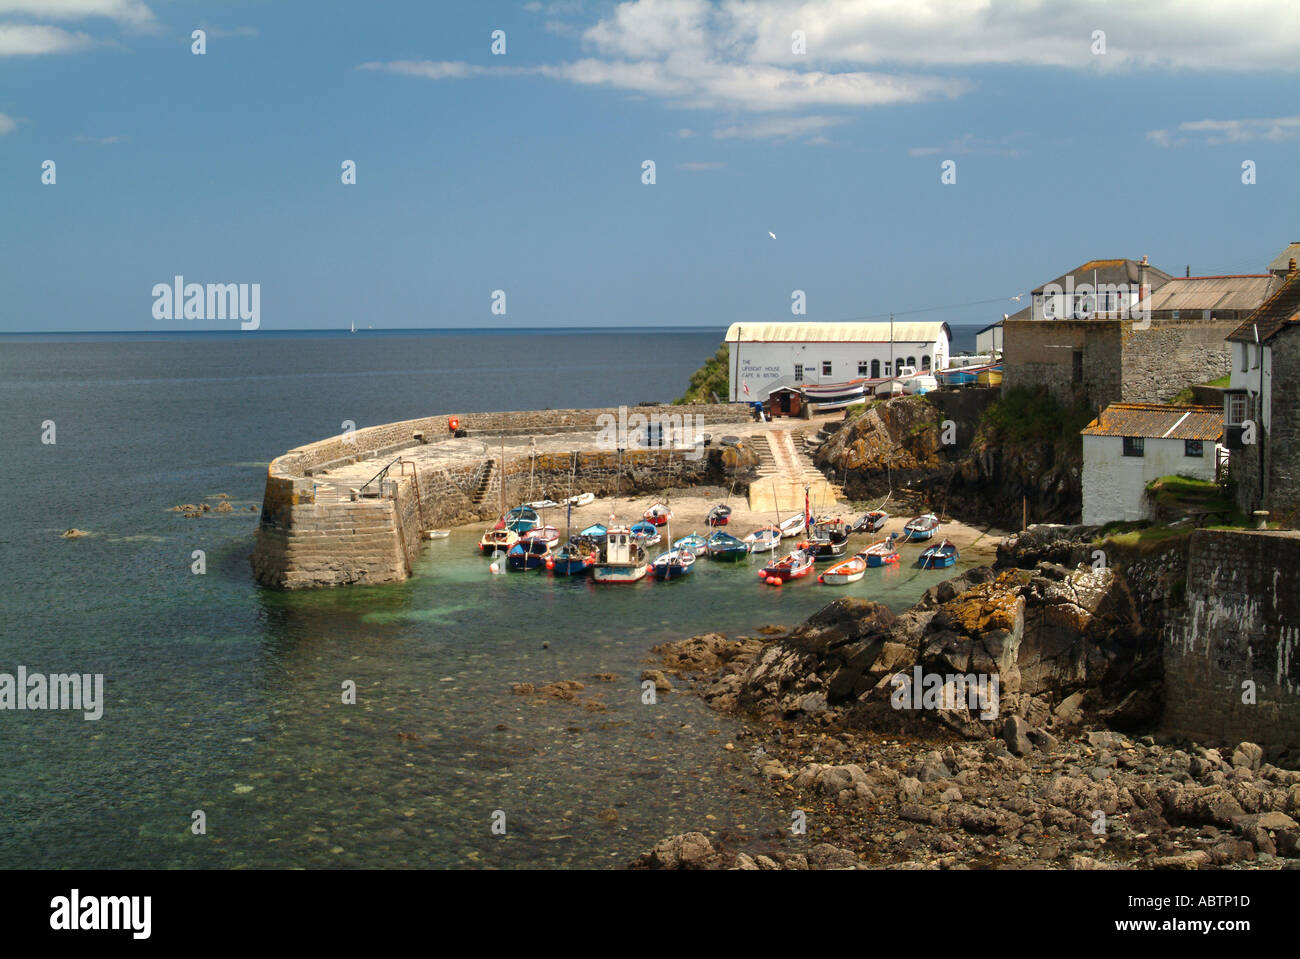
1131	444
765	356
989	339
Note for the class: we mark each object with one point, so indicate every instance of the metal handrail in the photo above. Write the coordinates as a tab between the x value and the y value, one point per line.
381	476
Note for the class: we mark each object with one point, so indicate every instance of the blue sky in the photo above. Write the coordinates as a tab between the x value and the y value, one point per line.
522	172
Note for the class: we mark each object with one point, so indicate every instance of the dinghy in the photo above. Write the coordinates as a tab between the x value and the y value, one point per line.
792	526
939	557
437	533
724	546
574	558
498	539
658	514
794	565
823	549
528	554
872	522
595	531
696	543
582	499
520	520
719	516
841	574
765	539
883	553
645	533
547	534
921	528
623	559
543	504
674	564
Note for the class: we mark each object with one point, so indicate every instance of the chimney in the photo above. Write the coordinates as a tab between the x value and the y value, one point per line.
1142	278
1291	268
1188	273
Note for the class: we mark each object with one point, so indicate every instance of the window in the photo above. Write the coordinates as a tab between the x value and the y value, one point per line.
925	362
798	372
826	367
886	367
911	361
862	367
875	369
1193	447
1244	357
1176	314
1134	446
1076	370
1254	355
1236	409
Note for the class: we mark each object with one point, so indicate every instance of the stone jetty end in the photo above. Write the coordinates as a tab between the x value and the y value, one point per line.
353	508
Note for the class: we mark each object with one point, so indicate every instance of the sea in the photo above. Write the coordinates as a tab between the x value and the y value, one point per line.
225	740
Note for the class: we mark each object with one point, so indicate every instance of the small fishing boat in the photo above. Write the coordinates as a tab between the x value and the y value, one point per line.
765	539
520	520
674	564
528	554
543	504
719	516
582	499
792	526
574	558
823	549
921	527
883	553
696	543
437	533
498	539
547	534
841	574
595	531
724	546
658	514
645	533
623	559
872	522
794	565
835	530
939	557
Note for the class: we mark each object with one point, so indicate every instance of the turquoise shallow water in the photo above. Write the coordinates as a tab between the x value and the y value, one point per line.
226	698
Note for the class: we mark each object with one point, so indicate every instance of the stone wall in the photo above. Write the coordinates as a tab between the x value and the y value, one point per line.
1241	622
1172	355
1281	443
1041	353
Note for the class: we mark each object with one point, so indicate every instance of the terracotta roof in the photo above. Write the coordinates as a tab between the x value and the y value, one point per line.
1158	421
1195	293
1279	311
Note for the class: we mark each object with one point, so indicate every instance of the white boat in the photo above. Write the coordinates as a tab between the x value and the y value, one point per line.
623	559
792	526
582	499
543	504
547	534
841	574
764	539
437	533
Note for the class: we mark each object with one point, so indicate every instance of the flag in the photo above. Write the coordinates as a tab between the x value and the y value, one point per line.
745	387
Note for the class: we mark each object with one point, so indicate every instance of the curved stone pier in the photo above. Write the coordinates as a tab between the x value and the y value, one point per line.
353	508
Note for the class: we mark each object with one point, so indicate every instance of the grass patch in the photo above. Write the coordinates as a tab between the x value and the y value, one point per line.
1222	381
1025	414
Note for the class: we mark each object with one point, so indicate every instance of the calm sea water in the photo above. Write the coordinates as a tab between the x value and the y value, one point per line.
225	698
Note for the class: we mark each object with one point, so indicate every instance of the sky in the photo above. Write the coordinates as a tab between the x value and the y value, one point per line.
1077	129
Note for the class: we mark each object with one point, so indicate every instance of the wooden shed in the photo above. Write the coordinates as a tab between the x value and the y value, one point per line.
784	401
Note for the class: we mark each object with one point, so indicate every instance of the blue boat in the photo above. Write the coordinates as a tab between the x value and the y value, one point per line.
696	543
596	532
921	528
939	557
673	564
883	553
522	519
724	546
647	534
575	557
528	554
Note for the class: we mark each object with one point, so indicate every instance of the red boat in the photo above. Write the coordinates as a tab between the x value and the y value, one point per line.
797	564
658	514
719	516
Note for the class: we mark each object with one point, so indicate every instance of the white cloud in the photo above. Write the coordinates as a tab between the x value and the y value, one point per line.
780	128
7	124
1220	132
132	12
20	39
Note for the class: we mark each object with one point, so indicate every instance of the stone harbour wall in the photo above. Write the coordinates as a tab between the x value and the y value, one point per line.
1241	624
1172	355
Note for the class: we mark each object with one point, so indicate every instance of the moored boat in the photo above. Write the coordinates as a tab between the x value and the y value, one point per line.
765	539
498	539
574	558
872	522
623	559
921	527
793	565
582	499
841	574
645	533
724	546
883	553
547	534
658	514
792	526
673	564
520	520
823	548
940	556
696	543
720	515
528	554
595	531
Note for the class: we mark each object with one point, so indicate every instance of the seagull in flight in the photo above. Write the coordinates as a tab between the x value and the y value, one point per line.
771	234
1017	297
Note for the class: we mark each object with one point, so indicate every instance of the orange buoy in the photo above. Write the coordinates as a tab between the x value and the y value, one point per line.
453	424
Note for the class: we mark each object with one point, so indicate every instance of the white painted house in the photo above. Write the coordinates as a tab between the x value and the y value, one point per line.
765	356
1131	444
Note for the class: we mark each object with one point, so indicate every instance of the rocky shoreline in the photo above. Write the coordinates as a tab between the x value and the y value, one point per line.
1051	762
